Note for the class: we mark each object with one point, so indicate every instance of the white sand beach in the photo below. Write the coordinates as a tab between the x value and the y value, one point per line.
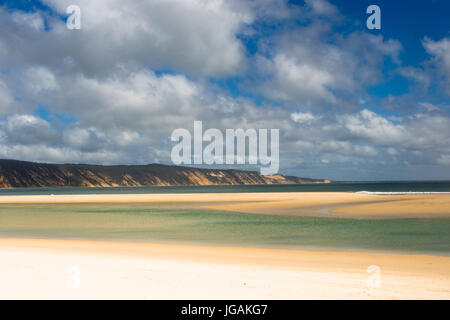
76	269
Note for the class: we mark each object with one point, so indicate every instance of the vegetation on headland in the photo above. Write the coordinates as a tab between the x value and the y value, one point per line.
15	174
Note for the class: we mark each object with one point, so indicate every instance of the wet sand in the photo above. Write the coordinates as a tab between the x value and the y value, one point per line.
338	204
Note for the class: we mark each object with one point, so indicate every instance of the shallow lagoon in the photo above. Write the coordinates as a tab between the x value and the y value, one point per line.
183	224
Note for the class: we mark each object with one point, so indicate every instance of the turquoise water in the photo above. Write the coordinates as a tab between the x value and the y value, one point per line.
152	223
432	186
181	223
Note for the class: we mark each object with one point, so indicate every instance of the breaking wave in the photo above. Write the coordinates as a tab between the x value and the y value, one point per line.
400	192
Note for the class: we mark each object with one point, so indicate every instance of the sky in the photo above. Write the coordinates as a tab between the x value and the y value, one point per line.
350	103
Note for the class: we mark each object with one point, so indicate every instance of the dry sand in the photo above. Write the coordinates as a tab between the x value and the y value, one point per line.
72	269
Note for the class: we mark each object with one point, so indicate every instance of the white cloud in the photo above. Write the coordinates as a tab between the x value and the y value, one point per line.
39	79
444	160
299	81
28	129
438	68
84	139
7	101
31	20
434	72
139	100
303	117
192	36
311	67
440	50
53	154
392	151
367	124
428	106
322	7
417	75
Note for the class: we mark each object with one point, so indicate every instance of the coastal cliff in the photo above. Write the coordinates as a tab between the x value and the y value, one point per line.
16	174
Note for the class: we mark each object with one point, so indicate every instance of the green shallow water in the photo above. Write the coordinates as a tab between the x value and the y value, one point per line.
166	223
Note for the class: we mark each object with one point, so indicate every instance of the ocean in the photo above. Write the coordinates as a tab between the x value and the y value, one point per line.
404	187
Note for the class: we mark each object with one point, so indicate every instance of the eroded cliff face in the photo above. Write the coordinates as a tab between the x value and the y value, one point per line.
15	174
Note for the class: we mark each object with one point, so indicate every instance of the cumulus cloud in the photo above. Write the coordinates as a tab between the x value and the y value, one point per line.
39	79
322	7
7	101
132	100
84	139
434	72
193	36
28	130
417	75
311	66
303	117
440	51
368	125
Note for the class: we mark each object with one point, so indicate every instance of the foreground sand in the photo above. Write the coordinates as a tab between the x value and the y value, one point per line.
337	204
48	269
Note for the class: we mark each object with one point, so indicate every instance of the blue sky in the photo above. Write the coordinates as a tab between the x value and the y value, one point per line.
350	103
